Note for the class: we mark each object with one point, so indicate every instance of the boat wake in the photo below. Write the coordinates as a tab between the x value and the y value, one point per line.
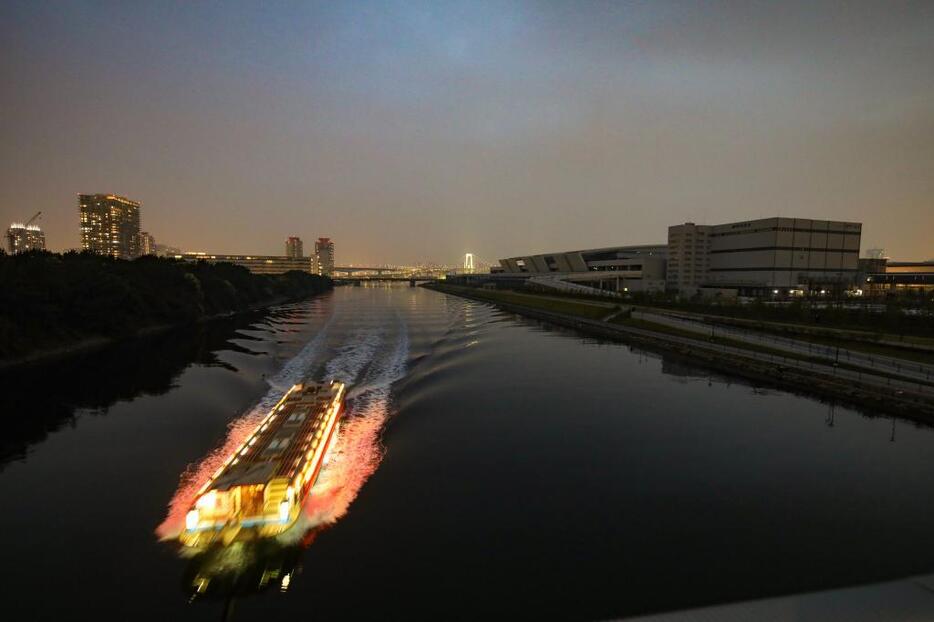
370	361
237	431
358	451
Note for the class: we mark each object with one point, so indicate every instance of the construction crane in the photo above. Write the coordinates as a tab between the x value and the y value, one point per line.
31	220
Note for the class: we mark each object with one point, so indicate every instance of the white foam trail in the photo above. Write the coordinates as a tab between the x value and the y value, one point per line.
357	451
296	368
353	356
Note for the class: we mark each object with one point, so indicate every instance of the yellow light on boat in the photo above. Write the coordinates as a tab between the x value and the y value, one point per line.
191	519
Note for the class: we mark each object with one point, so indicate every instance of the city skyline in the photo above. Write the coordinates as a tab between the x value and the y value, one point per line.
421	132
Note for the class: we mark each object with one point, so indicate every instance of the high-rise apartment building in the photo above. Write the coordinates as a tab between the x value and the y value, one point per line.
147	244
293	248
21	238
110	225
324	257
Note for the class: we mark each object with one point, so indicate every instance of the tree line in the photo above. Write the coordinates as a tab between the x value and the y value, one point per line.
51	300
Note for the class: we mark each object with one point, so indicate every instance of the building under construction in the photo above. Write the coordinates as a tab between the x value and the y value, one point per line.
26	236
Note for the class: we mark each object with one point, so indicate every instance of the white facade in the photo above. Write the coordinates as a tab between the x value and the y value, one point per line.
766	255
688	257
617	268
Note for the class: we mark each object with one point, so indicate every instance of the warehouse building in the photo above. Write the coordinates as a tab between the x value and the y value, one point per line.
771	256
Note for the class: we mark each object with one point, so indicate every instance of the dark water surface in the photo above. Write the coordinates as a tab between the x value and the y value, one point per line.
526	472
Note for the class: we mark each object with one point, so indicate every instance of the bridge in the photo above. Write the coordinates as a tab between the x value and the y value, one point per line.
356	274
378	271
429	272
364	279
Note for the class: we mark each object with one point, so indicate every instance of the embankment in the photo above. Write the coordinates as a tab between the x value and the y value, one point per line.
869	394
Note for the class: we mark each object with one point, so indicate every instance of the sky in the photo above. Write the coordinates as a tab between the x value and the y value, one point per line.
419	131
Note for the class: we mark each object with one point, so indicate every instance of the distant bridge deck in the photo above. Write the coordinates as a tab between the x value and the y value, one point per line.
377	270
382	273
385	277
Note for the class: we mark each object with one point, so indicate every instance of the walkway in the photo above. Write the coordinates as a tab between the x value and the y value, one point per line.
872	362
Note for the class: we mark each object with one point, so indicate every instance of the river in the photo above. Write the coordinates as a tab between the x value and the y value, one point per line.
488	466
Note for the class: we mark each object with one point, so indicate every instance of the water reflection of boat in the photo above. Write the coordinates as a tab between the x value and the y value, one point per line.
242	569
259	490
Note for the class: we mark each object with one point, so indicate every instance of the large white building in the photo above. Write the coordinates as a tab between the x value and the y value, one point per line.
770	256
758	257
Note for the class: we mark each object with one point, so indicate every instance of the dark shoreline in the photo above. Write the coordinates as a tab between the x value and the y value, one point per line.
55	305
91	345
866	401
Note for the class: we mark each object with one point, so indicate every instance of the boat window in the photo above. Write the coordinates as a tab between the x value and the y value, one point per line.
278	444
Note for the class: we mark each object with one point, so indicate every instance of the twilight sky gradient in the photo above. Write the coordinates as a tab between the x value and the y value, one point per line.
417	131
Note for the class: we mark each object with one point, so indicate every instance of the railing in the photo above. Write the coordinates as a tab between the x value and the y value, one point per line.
558	284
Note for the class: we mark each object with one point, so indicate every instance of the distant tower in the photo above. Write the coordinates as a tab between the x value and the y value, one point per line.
109	225
324	257
147	244
468	263
293	248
